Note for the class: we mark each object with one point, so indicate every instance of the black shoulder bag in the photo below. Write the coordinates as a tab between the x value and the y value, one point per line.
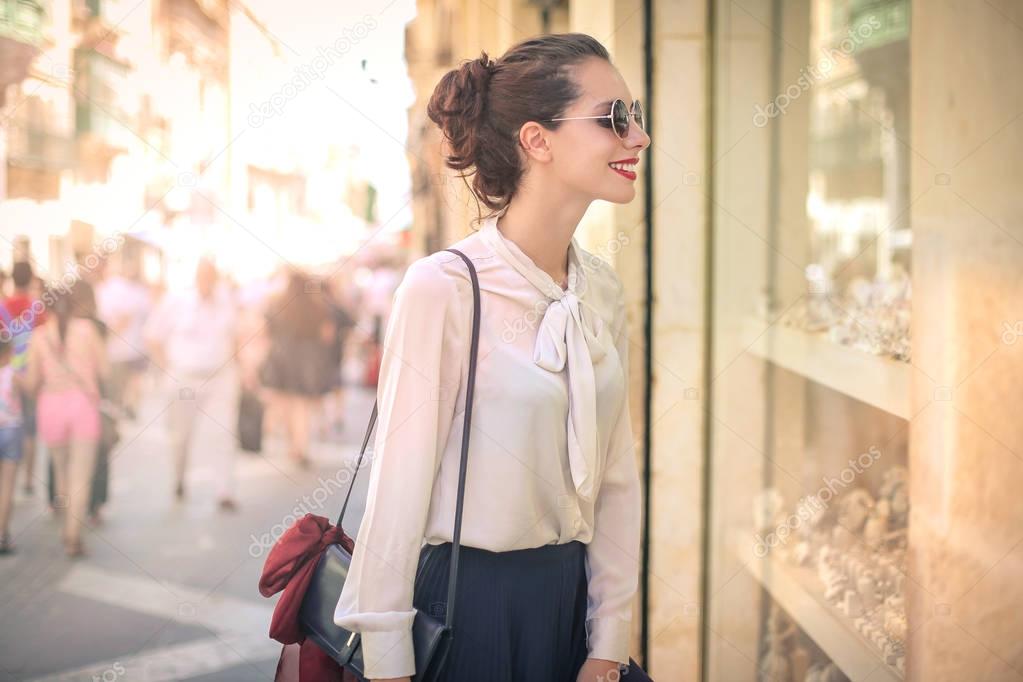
431	637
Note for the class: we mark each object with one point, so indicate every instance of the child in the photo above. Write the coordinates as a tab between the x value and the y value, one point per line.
10	438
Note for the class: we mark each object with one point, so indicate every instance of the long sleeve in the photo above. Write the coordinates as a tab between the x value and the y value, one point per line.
612	557
420	376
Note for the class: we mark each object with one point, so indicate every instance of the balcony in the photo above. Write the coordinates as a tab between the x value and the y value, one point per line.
22	20
36	157
102	126
35	146
882	52
879	22
198	29
22	24
93	20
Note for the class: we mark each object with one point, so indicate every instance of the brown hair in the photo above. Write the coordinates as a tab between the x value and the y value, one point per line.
298	311
77	301
481	106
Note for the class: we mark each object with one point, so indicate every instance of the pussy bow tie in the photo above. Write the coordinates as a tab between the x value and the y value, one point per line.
567	337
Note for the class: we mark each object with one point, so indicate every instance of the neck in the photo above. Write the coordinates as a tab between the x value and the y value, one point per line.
542	225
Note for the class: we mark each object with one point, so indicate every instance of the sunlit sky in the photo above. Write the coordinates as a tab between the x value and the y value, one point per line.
346	104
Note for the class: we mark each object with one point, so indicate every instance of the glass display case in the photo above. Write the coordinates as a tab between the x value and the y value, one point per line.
811	364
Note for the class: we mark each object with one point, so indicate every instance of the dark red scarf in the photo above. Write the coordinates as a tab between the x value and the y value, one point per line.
289	567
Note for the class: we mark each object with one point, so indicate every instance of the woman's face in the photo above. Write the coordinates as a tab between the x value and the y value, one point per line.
583	150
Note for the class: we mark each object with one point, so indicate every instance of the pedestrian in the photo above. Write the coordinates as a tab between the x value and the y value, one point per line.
549	564
297	370
27	312
253	343
340	311
123	302
99	491
383	281
10	438
66	364
376	308
192	336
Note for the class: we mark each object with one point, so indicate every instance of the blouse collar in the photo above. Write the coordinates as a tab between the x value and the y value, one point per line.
525	265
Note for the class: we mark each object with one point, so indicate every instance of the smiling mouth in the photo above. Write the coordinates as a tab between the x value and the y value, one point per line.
625	168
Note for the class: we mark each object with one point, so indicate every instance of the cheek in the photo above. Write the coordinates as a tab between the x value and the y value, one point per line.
586	156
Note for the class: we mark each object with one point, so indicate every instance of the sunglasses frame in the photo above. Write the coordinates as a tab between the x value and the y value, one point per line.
630	113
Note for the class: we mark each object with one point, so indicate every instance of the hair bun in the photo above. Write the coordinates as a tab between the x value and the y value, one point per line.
458	107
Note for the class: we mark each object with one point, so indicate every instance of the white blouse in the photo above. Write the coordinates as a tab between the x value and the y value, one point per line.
551	454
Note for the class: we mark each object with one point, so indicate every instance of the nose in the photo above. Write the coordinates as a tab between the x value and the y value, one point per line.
637	139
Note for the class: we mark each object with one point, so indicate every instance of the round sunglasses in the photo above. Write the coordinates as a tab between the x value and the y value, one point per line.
617	120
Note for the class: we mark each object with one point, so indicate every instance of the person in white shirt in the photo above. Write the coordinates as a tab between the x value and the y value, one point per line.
123	301
549	565
379	297
193	339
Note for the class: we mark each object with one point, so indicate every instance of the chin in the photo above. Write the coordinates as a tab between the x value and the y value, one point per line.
620	195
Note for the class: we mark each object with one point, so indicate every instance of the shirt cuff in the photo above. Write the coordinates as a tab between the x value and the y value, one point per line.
608	638
387	654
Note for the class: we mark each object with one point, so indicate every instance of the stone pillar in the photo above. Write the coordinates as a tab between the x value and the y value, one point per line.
741	218
966	445
680	212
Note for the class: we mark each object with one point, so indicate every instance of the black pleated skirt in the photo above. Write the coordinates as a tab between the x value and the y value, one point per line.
520	616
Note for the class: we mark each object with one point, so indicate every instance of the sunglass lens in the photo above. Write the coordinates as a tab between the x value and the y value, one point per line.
620	118
637	114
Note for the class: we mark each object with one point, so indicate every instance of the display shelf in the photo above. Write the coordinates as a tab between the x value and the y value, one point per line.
792	588
878	381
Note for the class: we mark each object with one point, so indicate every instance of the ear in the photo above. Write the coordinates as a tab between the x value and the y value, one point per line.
533	139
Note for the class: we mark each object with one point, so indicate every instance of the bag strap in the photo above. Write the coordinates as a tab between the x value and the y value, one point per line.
470	385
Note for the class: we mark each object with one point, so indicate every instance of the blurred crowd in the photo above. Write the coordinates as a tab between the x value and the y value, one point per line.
78	359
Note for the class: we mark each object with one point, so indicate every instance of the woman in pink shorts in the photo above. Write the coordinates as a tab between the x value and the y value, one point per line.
66	363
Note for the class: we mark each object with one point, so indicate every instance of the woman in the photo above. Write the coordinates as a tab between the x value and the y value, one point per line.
10	432
549	565
297	368
66	364
99	491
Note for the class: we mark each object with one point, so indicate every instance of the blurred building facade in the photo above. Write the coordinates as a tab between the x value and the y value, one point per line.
824	262
172	123
92	121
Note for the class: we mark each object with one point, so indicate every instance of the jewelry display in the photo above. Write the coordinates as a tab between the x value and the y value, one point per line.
856	547
872	316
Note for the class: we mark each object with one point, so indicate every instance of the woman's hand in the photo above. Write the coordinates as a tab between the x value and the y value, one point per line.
599	670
